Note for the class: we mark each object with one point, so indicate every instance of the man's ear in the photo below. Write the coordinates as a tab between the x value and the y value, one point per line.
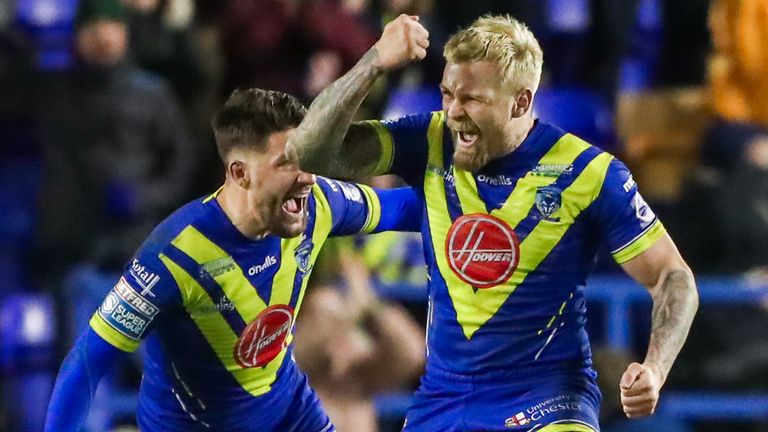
522	104
237	170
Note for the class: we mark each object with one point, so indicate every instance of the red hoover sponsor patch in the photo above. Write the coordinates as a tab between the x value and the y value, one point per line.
264	337
482	250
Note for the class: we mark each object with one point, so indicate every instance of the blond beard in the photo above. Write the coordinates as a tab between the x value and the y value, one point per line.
482	152
471	161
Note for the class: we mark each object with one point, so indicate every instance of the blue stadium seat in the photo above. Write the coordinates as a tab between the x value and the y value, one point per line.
406	101
577	110
19	183
49	23
27	351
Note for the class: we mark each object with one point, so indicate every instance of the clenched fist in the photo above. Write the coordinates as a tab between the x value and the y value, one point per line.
640	386
403	40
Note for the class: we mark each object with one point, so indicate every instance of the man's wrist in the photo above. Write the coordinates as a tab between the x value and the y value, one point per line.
376	66
657	370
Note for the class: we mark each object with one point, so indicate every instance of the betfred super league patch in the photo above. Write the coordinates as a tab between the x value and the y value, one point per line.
127	311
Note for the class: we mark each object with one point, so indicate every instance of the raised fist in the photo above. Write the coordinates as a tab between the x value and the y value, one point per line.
403	40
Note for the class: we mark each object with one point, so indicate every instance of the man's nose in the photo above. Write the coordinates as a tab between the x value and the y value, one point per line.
454	109
306	179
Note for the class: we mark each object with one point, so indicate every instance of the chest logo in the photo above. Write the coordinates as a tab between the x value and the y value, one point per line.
482	250
303	254
548	202
264	338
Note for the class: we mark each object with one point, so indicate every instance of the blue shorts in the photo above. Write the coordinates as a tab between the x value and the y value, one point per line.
291	406
562	402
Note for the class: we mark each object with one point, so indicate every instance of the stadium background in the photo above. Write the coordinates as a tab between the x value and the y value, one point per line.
673	88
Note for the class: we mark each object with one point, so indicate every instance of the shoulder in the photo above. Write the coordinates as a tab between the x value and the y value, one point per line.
167	230
409	122
330	187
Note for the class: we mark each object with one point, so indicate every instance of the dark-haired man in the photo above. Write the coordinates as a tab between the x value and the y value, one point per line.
216	287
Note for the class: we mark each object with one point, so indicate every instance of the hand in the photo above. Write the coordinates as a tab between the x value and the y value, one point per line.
324	68
403	40
640	386
360	296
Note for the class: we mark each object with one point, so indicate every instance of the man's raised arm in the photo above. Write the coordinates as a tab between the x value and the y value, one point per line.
326	143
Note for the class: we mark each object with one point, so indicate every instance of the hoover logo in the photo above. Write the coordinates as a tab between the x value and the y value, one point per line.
265	337
482	250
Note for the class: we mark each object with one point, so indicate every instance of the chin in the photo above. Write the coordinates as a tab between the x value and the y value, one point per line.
291	229
470	161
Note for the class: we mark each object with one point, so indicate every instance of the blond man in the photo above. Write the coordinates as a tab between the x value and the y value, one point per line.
514	212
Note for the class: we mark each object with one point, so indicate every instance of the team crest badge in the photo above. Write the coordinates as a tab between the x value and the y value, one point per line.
482	250
548	202
303	254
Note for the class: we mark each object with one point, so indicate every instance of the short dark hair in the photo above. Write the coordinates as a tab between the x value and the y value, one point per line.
250	116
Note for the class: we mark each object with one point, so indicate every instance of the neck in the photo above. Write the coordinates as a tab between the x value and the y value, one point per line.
234	202
517	132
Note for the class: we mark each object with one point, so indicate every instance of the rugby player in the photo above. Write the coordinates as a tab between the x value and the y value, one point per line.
214	291
514	212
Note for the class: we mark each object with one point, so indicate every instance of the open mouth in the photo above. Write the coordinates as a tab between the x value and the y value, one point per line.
466	138
295	205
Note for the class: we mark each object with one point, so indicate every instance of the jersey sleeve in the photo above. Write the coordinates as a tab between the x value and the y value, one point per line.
404	146
625	221
77	381
133	306
355	208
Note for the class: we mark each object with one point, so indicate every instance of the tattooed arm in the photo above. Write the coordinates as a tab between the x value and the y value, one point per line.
663	271
325	142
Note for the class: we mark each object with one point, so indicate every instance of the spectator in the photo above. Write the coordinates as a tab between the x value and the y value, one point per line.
737	144
166	39
353	345
295	47
117	155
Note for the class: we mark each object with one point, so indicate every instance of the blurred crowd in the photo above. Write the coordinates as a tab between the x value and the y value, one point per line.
105	108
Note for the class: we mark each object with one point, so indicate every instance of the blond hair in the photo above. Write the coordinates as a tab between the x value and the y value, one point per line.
503	41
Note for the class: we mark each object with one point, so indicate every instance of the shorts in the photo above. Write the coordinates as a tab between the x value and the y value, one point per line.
291	406
558	402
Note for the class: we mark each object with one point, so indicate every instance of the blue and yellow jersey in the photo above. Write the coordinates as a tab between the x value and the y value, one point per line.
216	310
508	248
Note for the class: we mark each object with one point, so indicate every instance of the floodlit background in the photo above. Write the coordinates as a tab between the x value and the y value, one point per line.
104	129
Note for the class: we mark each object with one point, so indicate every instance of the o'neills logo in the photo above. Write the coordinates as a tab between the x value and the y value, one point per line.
264	337
482	250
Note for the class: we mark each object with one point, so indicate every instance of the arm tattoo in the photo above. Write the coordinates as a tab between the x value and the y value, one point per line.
322	143
674	305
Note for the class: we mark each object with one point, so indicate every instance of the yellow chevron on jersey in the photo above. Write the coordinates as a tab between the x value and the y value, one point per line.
475	307
198	303
219	335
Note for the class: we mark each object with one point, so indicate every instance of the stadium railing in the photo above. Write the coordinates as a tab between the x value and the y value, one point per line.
616	295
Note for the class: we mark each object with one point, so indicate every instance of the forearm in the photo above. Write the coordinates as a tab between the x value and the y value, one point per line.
399	347
76	384
318	143
675	301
